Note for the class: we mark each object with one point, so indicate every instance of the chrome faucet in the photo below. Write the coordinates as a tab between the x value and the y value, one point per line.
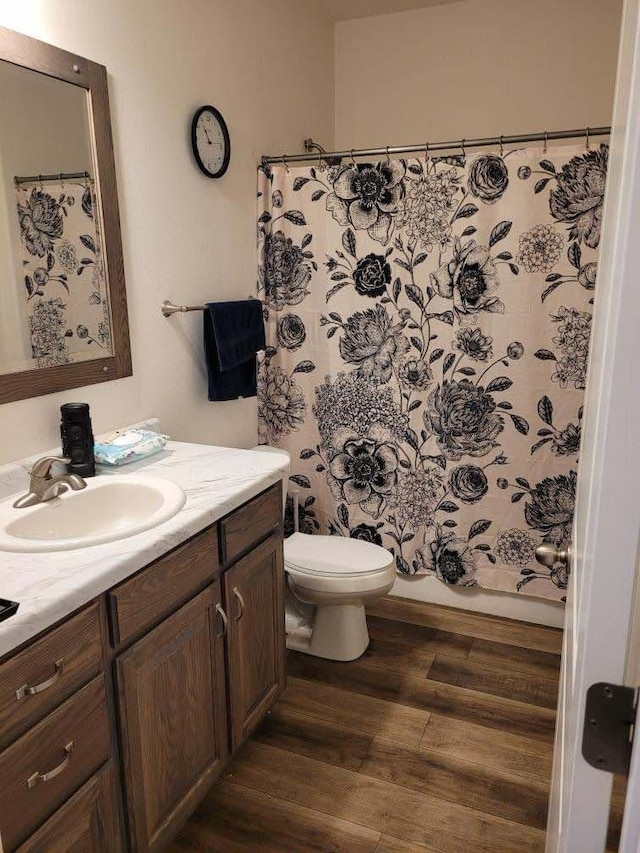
43	486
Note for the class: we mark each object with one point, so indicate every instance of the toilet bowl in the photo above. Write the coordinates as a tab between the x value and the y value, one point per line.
329	581
338	576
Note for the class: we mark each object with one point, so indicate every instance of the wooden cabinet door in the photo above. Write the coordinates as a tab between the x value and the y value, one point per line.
172	704
87	823
254	600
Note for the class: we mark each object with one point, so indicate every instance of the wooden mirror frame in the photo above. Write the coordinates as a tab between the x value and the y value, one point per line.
54	62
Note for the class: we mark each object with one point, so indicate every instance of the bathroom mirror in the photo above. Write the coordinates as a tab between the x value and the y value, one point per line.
63	313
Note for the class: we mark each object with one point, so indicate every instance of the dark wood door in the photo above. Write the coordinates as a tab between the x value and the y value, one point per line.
172	703
87	823
254	600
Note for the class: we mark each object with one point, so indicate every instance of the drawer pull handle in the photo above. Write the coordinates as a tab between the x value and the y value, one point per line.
225	622
240	600
25	690
37	778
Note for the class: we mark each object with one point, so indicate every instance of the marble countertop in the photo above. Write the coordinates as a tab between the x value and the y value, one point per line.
50	586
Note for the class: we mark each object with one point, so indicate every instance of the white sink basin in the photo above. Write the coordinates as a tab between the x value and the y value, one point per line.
111	507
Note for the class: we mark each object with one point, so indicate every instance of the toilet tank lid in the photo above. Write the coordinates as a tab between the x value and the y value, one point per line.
337	555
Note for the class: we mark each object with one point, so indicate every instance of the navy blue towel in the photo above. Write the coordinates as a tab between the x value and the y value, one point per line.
233	334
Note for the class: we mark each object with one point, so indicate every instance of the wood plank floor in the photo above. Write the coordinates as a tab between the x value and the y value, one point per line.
439	739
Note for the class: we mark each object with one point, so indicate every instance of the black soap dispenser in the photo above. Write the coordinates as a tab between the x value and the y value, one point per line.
77	438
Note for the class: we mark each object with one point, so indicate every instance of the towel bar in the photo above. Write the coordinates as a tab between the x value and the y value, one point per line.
168	308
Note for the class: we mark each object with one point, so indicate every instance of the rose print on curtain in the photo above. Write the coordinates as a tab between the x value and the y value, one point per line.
428	327
62	269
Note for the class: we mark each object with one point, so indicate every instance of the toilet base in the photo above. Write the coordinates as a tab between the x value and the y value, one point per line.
339	633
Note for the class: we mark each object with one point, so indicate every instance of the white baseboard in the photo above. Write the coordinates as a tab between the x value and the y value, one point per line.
505	604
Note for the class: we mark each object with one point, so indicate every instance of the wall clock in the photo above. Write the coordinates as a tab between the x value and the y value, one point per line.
210	141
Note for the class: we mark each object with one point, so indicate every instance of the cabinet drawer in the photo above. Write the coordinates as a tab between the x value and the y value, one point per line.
87	823
44	767
39	677
250	524
157	590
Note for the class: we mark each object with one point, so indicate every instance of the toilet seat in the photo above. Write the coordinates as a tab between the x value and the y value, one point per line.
334	557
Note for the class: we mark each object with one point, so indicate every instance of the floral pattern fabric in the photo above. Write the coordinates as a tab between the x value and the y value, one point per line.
62	269
428	326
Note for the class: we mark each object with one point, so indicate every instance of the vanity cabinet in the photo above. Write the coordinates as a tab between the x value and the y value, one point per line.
37	679
46	765
115	722
173	712
86	823
254	598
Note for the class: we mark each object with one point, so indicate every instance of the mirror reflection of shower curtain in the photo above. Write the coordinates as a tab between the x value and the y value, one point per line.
428	327
15	349
62	273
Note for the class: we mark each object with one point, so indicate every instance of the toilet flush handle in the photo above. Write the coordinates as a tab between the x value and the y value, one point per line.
240	601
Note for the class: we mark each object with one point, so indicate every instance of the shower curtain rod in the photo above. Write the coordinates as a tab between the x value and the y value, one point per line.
55	176
428	147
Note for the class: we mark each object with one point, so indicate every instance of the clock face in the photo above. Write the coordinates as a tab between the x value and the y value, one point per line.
210	142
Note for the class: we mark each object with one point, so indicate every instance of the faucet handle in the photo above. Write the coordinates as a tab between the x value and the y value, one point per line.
42	467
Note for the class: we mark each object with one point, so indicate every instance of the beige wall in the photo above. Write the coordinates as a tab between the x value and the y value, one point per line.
475	68
184	237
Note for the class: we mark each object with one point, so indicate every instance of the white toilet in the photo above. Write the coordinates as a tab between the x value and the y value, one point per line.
329	580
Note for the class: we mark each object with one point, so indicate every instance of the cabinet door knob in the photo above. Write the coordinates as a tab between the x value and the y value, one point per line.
37	778
25	690
240	600
225	622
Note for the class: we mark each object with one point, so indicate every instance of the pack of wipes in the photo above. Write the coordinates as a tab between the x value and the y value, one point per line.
130	445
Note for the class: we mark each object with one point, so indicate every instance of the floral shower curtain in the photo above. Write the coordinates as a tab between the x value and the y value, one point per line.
62	269
428	327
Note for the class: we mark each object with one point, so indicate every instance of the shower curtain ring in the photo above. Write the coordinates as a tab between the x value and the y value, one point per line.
353	162
40	182
587	141
502	146
285	164
426	153
464	153
388	158
545	146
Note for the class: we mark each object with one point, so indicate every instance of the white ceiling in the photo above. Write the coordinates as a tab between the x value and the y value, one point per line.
346	10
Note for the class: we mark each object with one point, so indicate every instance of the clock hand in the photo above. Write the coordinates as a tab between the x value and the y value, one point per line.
206	134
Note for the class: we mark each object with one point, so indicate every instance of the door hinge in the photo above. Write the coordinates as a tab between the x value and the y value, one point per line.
610	716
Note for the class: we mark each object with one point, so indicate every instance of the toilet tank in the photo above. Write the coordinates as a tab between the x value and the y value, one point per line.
265	448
